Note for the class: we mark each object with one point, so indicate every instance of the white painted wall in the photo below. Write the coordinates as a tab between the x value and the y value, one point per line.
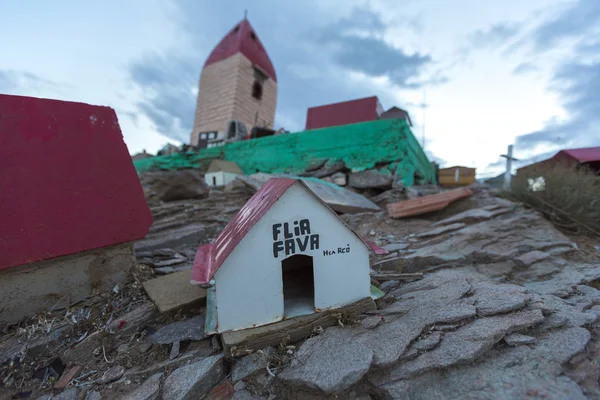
249	285
221	178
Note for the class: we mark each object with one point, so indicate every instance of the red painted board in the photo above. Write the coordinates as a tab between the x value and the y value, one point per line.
67	182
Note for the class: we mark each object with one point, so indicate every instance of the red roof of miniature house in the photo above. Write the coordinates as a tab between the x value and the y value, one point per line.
589	154
211	256
343	113
67	181
243	39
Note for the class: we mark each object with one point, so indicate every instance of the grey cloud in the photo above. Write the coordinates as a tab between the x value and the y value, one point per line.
376	58
570	23
576	80
23	82
167	83
357	44
496	35
525	68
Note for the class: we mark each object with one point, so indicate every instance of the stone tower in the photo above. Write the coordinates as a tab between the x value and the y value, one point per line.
237	82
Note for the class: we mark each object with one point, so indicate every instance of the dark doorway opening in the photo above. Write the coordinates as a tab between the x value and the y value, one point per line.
298	286
214	181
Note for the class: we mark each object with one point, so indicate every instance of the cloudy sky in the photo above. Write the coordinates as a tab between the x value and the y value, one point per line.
491	73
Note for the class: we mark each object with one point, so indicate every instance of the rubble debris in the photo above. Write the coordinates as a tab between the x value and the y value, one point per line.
93	395
149	390
390	196
251	363
222	392
167	365
371	322
69	394
194	380
179	185
339	178
127	324
174	351
426	204
68	377
173	291
370	179
187	329
396	246
328	170
112	374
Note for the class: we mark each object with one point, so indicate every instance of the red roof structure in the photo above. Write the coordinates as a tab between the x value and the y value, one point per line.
210	257
589	154
344	113
589	157
67	181
243	39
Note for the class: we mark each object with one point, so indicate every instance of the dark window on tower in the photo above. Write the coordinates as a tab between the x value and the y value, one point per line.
257	87
257	90
252	35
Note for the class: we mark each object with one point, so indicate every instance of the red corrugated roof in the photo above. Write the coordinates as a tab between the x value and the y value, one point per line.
588	154
243	39
344	113
210	257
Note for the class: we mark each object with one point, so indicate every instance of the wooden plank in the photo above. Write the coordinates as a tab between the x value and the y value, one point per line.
173	291
396	277
291	330
422	205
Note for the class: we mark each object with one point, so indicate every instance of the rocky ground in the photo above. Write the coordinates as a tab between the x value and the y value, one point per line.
508	307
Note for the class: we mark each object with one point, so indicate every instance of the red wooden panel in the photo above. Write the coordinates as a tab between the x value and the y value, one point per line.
67	182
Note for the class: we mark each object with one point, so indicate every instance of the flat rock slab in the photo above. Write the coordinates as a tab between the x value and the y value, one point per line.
442	229
149	390
469	342
493	299
513	373
242	342
195	380
370	179
517	339
328	362
173	291
532	257
188	329
429	342
473	215
339	199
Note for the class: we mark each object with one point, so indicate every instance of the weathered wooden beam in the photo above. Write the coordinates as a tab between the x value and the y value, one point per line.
291	330
396	277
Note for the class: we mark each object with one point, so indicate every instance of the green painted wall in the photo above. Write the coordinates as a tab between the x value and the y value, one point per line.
361	146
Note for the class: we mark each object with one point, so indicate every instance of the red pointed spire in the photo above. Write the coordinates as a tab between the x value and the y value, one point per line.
243	39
